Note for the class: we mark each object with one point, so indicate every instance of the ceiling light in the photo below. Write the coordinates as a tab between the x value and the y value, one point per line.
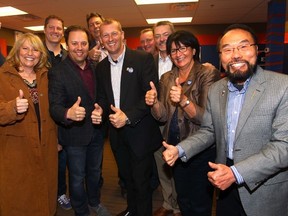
145	2
172	20
10	11
35	28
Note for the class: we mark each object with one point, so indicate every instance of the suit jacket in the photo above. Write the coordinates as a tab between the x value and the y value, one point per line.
65	85
261	140
143	135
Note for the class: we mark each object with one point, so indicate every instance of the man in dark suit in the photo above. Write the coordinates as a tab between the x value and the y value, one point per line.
123	79
54	32
72	93
246	114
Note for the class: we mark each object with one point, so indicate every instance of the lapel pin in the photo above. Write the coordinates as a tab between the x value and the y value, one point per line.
129	69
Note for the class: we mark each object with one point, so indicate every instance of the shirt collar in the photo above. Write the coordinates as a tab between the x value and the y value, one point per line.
119	59
232	88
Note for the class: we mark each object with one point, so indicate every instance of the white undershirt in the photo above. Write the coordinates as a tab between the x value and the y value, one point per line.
116	73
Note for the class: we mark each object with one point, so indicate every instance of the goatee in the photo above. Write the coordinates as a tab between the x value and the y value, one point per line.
239	76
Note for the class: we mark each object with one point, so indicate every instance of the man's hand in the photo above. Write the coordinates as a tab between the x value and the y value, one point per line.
151	95
96	115
21	103
76	112
176	92
118	119
171	154
95	52
222	177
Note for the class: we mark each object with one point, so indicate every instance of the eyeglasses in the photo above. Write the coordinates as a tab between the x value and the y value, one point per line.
241	48
181	49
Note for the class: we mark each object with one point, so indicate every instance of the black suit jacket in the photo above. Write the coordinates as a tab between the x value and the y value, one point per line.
65	85
143	135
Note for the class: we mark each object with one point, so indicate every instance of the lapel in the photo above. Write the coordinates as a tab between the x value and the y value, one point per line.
127	68
223	95
75	75
253	94
106	73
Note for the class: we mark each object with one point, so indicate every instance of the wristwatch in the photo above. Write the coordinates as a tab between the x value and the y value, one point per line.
128	122
186	103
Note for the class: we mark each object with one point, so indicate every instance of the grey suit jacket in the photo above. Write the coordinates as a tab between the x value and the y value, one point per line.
261	142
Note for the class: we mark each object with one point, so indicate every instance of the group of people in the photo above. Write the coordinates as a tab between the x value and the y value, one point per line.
162	107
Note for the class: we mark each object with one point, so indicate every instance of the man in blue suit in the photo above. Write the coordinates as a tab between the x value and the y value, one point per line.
246	115
123	79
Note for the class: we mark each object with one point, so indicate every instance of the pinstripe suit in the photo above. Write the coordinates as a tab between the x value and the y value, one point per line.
261	141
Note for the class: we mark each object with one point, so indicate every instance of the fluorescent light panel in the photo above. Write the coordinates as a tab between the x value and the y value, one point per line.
172	20
10	11
35	28
145	2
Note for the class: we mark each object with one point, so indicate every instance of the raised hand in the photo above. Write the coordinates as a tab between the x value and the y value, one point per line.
21	103
176	92
76	112
118	119
95	52
151	95
170	155
96	115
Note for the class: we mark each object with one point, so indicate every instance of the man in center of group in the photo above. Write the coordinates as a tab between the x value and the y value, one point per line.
123	79
72	93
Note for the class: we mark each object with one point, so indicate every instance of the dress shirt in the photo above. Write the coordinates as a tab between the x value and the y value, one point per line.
116	73
165	65
234	106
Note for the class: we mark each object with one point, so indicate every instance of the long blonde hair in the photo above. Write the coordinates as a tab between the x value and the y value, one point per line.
13	56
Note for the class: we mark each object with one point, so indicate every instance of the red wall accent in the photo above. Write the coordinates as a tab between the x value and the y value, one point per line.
3	47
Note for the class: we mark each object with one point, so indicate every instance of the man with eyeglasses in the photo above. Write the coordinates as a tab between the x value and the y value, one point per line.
162	30
246	116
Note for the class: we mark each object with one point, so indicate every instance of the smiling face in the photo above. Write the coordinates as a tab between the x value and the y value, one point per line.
54	31
29	56
78	47
112	38
94	27
147	42
181	55
161	33
240	60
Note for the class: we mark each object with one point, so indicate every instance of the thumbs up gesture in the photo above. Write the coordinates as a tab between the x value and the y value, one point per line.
151	95
21	103
76	112
118	119
95	52
176	92
170	155
96	115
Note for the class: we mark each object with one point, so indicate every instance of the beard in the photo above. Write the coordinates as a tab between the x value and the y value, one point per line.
240	76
